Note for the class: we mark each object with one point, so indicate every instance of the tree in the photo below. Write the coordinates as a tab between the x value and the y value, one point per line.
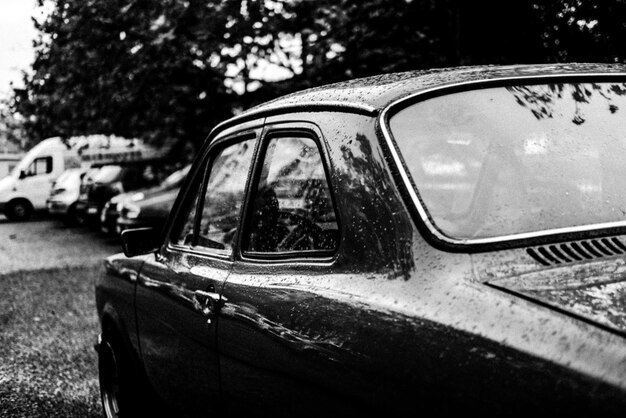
584	31
12	134
169	70
131	68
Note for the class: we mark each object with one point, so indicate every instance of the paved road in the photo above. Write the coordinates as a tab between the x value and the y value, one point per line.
46	243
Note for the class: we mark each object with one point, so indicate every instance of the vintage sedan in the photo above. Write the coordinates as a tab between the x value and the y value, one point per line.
425	242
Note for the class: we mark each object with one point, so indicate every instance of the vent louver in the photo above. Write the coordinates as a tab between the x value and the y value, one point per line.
570	252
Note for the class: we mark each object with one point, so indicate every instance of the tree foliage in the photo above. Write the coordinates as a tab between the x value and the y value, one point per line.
12	132
169	70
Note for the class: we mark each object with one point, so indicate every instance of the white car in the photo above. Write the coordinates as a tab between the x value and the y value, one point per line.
64	194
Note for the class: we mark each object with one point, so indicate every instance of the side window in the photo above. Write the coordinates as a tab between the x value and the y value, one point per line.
292	209
220	201
40	166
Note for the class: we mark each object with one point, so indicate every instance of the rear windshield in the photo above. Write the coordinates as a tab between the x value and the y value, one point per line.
511	160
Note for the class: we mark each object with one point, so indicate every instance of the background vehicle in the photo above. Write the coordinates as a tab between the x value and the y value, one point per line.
28	186
362	248
150	208
111	211
112	180
64	194
86	182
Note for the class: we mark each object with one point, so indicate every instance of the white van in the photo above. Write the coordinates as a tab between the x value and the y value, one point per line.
28	186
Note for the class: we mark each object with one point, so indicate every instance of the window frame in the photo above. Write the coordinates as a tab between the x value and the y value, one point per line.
49	161
410	191
192	190
287	130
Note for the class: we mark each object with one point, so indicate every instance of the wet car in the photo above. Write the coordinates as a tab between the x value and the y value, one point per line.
150	207
429	242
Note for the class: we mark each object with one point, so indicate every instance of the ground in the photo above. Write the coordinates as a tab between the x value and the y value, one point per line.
44	243
48	320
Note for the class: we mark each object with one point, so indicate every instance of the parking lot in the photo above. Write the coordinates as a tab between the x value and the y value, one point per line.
46	243
47	318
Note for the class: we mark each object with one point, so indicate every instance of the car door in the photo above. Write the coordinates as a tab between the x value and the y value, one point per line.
275	334
178	291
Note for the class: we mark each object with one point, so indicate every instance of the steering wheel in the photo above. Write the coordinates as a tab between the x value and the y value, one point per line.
303	237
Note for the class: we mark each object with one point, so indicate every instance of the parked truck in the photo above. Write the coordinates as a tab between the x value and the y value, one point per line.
27	187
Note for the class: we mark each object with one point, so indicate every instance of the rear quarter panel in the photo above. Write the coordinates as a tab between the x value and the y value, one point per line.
115	297
393	324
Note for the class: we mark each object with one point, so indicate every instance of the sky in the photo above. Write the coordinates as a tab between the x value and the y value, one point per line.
16	41
17	33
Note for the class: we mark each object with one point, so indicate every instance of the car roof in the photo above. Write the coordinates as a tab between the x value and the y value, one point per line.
372	94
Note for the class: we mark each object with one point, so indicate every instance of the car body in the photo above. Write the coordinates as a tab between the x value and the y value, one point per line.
26	188
111	180
64	194
437	242
150	207
86	182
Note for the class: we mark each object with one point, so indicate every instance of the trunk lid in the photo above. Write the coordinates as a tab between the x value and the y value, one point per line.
594	291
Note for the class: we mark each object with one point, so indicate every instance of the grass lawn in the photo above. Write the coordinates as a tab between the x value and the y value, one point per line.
48	325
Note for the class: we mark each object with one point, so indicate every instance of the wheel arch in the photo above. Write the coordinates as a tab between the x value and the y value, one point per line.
17	199
10	205
112	325
113	328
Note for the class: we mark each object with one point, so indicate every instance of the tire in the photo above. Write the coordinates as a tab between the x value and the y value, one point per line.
80	218
70	217
124	390
117	382
19	210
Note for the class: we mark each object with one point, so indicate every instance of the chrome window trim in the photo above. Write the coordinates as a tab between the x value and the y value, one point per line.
171	247
361	107
296	129
304	106
201	164
383	120
289	259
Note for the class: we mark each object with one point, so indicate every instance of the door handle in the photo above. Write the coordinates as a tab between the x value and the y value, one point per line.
210	297
208	303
